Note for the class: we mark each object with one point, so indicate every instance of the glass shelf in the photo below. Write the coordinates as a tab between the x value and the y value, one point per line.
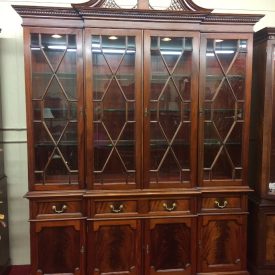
214	76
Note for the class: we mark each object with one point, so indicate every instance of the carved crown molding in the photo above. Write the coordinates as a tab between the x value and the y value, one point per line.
135	15
94	9
35	11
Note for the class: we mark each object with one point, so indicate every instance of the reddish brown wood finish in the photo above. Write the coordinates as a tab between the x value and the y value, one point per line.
114	247
170	246
64	244
222	243
261	204
173	226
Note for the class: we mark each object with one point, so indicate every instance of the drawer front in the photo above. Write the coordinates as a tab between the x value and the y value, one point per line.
170	206
221	203
116	207
57	208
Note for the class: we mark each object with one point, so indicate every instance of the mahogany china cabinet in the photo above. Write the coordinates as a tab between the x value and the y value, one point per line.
261	232
138	133
4	231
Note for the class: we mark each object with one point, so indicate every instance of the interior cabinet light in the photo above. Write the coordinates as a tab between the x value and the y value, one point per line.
57	36
113	37
166	39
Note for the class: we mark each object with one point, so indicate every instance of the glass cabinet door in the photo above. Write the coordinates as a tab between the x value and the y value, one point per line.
55	89
113	102
170	101
224	109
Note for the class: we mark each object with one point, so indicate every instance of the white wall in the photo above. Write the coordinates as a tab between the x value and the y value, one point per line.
13	100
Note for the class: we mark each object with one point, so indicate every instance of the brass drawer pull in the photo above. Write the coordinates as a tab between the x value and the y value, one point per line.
64	207
2	217
217	203
170	209
116	210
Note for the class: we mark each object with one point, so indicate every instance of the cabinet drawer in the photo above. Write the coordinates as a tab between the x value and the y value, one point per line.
115	207
170	206
219	203
56	208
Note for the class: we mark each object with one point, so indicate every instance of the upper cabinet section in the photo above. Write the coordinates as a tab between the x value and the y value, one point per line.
115	102
55	101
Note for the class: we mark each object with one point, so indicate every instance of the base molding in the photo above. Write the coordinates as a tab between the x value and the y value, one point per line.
20	270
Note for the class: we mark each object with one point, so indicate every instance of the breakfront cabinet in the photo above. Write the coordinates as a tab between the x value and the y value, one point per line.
138	130
262	154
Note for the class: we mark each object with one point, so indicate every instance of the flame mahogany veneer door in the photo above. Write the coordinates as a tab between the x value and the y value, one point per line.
170	246
58	247
222	243
114	247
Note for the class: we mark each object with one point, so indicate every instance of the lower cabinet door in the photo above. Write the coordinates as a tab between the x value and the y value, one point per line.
222	243
170	246
58	247
114	247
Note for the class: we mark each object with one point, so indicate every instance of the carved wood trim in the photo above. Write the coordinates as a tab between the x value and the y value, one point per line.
176	5
191	6
144	15
90	4
80	11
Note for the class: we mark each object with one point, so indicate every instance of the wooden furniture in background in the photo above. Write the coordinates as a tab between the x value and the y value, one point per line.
138	129
262	155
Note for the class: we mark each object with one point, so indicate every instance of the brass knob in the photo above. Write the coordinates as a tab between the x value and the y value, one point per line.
62	210
2	217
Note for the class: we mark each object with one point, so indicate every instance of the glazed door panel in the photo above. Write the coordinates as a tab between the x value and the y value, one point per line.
224	108
114	247
58	247
170	104
54	85
170	246
113	99
222	243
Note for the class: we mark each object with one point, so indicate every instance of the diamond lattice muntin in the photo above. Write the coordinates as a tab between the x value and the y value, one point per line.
114	102
170	103
54	101
224	108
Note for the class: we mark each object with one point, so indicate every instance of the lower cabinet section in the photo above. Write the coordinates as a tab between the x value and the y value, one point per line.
222	243
58	247
261	238
134	240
